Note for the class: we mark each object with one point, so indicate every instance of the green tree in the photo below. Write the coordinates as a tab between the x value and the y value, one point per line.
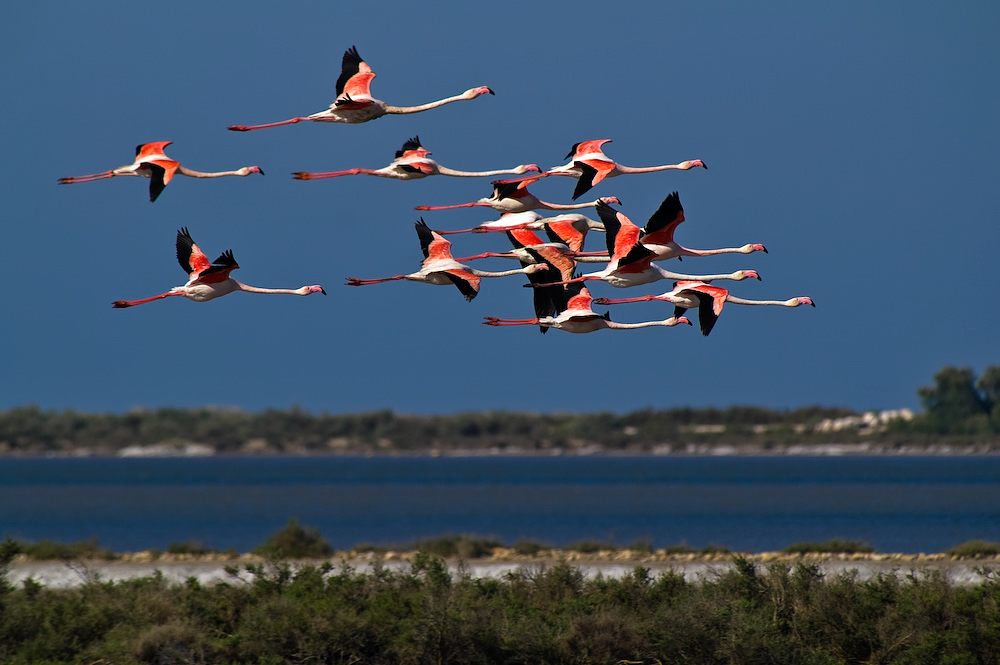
953	401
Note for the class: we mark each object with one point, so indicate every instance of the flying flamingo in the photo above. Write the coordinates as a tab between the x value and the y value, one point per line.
631	262
590	165
440	268
513	196
412	163
210	280
354	102
527	245
707	298
150	162
658	234
576	316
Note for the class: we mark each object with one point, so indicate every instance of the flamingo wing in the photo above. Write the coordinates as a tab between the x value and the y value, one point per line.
659	230
710	302
355	79
193	261
147	151
592	172
586	148
466	282
565	232
433	245
161	172
220	268
622	235
411	147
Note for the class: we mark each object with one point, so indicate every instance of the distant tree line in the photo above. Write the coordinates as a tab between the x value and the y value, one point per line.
959	408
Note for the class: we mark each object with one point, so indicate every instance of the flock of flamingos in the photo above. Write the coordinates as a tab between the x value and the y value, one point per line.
561	298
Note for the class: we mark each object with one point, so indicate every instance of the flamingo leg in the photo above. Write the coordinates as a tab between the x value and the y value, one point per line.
451	207
484	255
72	180
118	304
621	301
247	128
303	175
494	321
354	281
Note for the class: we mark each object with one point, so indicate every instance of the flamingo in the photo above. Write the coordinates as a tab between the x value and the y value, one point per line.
576	316
354	102
658	234
631	262
590	165
150	162
527	244
440	268
707	298
210	280
412	163
513	196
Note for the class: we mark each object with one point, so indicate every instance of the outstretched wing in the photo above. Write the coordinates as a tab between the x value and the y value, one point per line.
659	230
355	77
193	261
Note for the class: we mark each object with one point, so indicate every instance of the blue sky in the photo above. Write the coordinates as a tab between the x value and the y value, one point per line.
857	141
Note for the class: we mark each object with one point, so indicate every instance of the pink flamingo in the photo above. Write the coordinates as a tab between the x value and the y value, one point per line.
210	280
590	165
412	163
513	196
576	316
527	243
354	102
150	162
707	298
440	268
658	234
631	262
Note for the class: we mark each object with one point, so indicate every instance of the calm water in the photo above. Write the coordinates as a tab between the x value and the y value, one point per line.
896	504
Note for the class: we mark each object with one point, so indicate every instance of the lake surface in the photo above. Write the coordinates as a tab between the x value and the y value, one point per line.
751	504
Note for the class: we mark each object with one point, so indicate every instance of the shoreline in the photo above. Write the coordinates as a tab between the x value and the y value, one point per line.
201	451
211	569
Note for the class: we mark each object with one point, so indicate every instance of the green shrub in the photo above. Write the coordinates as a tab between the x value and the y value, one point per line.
973	549
466	547
45	549
295	542
835	546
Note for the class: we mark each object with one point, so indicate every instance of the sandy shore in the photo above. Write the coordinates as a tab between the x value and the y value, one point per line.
211	569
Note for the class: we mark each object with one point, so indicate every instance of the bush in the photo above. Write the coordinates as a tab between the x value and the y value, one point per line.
974	549
466	547
835	546
295	542
45	549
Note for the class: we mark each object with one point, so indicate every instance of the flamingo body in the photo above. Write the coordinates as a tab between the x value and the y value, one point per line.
412	163
630	261
354	103
589	165
708	299
151	162
658	234
208	280
440	268
513	196
577	316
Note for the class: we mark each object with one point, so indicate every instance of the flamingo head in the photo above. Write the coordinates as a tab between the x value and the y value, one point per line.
803	300
528	168
609	200
315	288
756	247
481	90
254	169
535	267
682	319
693	163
